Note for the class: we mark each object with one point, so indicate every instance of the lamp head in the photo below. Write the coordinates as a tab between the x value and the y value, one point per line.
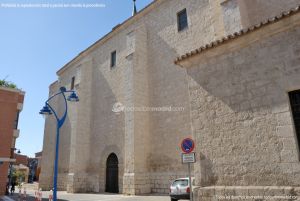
45	111
15	150
63	89
73	97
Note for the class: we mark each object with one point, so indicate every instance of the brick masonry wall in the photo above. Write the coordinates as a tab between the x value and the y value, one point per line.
21	159
3	177
9	99
241	117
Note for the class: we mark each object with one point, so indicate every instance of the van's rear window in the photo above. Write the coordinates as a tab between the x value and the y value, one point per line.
180	183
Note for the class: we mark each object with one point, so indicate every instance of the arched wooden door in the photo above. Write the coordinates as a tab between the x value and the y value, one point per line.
112	174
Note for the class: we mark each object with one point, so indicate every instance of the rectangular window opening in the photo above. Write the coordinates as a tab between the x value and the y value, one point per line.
72	83
113	59
16	122
295	106
182	21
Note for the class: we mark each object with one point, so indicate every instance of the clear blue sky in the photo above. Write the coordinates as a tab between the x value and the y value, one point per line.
36	42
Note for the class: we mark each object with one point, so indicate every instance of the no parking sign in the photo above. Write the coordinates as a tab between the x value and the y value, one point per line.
187	145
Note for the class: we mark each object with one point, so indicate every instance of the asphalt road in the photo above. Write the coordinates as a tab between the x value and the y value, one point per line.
63	196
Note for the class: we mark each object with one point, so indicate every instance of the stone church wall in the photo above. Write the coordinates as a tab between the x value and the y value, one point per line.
168	85
239	14
146	143
256	11
241	116
144	77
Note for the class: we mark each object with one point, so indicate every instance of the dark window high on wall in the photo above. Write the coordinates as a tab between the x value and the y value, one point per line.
182	20
16	120
113	59
295	105
72	83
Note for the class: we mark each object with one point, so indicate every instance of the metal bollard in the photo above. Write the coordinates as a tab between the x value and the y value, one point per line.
40	196
36	195
25	195
20	194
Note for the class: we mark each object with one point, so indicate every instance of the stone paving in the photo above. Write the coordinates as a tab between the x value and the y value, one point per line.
63	196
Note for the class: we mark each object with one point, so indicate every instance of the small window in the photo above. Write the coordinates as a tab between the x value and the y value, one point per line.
16	122
72	83
182	20
113	59
295	106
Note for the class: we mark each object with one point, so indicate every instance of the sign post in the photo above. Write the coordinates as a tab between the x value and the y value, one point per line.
190	182
187	146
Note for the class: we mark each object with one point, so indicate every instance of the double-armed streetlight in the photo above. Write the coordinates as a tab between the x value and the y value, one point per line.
48	110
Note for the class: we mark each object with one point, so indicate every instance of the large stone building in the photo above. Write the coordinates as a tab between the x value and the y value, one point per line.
231	98
11	104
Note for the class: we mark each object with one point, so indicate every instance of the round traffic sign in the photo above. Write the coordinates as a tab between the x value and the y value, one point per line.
187	145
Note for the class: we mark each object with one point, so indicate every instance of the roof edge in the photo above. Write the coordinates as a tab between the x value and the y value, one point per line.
236	35
12	90
53	83
110	34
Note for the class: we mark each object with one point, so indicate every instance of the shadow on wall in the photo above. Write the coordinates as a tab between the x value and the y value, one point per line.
246	80
239	102
207	176
108	127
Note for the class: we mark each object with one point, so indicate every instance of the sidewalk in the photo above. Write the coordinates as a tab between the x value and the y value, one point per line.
29	197
64	196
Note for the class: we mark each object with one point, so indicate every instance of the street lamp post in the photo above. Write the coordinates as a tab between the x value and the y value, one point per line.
48	110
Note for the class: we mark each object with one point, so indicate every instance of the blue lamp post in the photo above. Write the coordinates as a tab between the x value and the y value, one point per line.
48	110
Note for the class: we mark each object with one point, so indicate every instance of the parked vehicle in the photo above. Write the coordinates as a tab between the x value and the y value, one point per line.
180	190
